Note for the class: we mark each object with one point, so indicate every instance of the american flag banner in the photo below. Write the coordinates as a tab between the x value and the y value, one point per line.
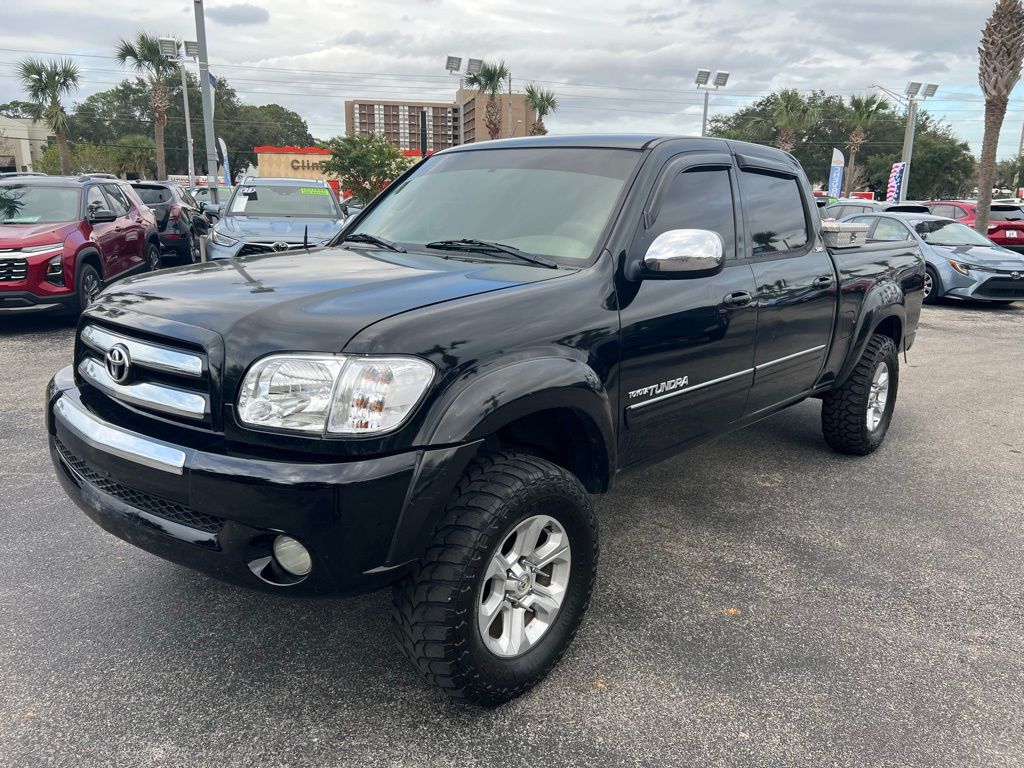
892	192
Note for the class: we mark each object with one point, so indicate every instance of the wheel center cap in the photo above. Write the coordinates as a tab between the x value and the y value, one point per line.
523	586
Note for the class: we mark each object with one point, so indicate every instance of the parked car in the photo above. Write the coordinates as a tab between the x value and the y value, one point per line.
273	216
202	194
63	238
12	174
506	329
961	264
854	205
1006	220
179	218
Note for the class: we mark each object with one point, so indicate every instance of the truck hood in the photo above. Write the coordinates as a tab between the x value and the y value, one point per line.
984	256
306	301
27	235
288	230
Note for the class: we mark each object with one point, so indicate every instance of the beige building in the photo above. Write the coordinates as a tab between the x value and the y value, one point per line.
294	163
448	123
22	142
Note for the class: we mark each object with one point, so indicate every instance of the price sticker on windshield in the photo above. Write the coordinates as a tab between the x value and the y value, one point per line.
312	191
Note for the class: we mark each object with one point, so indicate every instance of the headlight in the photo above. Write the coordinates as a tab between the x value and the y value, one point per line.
332	393
34	249
221	239
959	266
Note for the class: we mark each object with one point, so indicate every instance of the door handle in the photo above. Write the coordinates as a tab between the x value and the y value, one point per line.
822	282
737	299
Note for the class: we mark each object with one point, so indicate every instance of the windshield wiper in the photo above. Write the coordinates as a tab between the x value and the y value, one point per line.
366	237
486	246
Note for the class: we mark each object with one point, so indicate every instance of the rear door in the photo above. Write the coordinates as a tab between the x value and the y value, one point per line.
130	227
795	283
687	344
104	234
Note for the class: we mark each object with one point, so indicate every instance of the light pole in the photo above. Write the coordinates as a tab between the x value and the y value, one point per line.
204	85
169	50
909	98
702	82
453	64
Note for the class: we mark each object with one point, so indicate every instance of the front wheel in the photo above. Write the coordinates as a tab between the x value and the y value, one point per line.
932	286
856	415
499	594
89	286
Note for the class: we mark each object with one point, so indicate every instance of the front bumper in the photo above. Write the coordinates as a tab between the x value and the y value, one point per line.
217	512
26	302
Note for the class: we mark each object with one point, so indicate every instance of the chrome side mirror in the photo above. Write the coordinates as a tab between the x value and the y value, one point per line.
685	253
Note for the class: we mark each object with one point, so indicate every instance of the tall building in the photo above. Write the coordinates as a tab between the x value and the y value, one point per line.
448	123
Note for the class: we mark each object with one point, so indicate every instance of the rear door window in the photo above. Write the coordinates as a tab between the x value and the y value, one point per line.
774	209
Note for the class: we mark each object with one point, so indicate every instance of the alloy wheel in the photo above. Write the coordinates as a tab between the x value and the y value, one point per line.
878	395
90	287
929	284
524	586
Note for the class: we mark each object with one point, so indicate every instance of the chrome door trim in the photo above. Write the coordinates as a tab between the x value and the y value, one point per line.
143	353
179	402
687	390
770	363
119	442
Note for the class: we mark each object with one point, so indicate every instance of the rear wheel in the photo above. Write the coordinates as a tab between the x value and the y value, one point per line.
154	260
89	286
193	248
856	416
500	592
932	286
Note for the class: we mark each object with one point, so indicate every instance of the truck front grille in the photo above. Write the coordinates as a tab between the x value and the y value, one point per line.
13	269
145	502
156	377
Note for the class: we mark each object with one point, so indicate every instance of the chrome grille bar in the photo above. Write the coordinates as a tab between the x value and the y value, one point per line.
145	354
178	402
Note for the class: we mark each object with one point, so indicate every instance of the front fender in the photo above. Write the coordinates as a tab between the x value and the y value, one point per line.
884	300
479	405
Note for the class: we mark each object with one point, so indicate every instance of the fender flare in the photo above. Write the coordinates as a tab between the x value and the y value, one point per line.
882	301
85	253
477	406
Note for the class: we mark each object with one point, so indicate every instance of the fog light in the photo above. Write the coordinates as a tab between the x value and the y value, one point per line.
292	556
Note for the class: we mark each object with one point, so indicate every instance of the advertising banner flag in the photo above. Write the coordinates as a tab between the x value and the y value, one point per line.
224	158
892	192
835	174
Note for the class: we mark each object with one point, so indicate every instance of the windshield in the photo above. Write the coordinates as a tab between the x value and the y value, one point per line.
944	232
1006	213
24	204
284	200
551	201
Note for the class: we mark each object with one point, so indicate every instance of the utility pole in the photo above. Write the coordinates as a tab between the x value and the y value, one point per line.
703	81
1016	170
188	127
204	84
704	121
510	104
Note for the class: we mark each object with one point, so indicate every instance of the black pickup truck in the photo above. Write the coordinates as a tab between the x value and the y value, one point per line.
430	402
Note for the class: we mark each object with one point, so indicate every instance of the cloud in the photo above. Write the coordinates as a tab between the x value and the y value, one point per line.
242	14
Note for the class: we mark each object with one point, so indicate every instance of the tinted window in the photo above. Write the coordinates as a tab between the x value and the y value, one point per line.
890	229
119	203
699	199
775	212
1006	213
154	195
187	197
944	210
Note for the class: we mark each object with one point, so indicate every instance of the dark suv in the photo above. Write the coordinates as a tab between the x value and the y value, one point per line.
63	238
179	218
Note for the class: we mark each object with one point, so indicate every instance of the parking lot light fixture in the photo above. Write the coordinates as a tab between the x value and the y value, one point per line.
721	78
703	80
912	91
703	76
473	66
169	49
453	64
913	88
929	90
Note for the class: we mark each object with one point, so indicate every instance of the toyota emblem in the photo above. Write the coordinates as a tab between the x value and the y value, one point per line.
280	246
118	363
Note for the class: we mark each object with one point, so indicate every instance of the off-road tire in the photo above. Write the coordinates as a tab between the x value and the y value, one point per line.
844	419
936	291
434	613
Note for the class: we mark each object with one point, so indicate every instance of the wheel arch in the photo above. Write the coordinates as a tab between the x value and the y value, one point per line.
884	312
88	255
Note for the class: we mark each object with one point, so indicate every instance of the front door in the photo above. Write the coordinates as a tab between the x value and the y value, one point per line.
796	285
687	345
104	234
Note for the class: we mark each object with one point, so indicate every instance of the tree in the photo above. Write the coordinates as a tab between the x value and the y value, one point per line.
46	82
490	80
543	103
85	158
790	116
134	156
365	164
17	108
999	63
864	112
143	55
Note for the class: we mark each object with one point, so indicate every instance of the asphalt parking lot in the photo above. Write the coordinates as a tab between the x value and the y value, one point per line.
761	601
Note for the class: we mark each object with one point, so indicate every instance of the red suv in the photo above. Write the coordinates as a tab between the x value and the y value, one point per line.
63	238
1005	222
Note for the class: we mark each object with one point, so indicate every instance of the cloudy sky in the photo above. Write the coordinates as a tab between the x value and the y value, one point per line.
615	67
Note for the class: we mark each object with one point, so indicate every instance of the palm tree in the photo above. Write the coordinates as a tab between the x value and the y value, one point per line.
490	80
999	64
46	82
143	55
543	103
863	114
790	116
